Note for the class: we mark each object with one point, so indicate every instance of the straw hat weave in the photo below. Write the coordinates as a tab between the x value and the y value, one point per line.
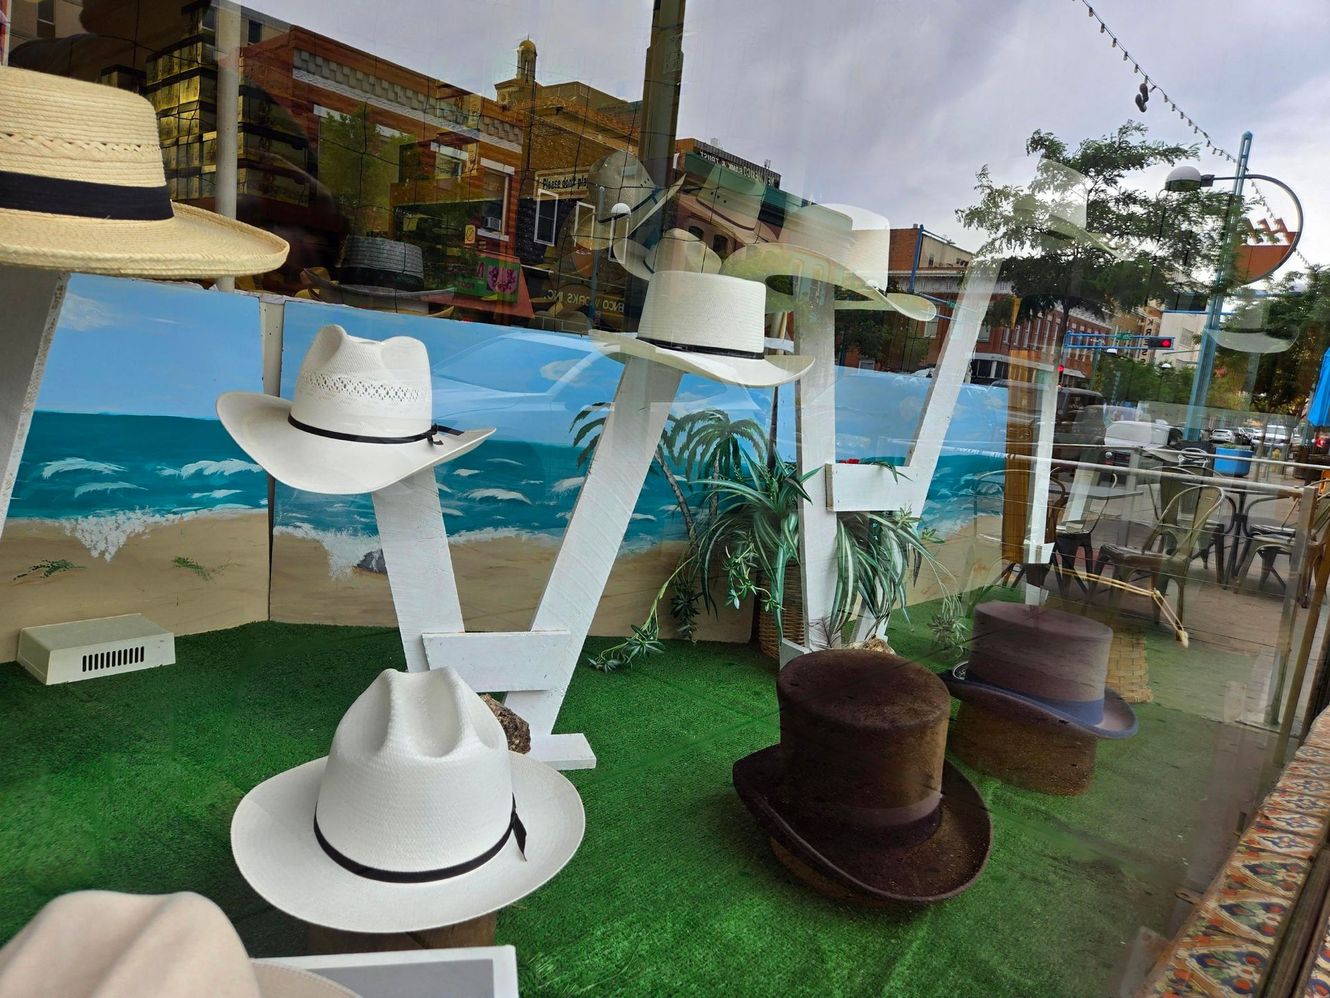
82	188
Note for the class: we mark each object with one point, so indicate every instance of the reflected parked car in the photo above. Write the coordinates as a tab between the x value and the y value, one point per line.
1222	435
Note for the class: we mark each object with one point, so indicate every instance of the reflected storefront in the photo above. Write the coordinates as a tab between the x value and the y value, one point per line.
906	542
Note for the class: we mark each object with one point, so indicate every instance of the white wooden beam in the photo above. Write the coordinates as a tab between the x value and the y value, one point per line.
32	300
491	661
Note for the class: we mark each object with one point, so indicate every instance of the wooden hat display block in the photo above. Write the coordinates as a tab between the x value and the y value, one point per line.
1045	757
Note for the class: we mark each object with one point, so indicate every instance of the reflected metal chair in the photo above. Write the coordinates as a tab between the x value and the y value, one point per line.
1167	553
1269	542
1075	537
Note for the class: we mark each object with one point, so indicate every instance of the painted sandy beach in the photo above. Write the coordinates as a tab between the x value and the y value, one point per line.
193	573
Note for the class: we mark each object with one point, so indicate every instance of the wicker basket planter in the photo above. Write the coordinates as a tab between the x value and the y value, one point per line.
792	616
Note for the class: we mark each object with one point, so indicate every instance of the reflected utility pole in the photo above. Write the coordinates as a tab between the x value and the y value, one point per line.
659	117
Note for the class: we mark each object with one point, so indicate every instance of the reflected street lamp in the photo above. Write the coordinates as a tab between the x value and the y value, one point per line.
620	210
1187	178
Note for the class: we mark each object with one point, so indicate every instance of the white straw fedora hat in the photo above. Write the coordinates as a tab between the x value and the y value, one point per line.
677	249
418	817
821	243
114	945
731	203
82	188
709	325
377	273
362	418
618	178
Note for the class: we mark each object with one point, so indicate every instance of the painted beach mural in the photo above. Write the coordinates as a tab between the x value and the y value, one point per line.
506	504
130	497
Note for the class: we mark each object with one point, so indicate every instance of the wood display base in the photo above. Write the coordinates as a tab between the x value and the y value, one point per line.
825	885
475	932
1032	756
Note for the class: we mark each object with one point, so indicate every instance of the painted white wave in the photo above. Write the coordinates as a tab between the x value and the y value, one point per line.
107	487
502	495
567	484
443	488
502	460
230	466
105	534
566	515
466	472
450	511
215	494
79	464
642	516
344	548
500	533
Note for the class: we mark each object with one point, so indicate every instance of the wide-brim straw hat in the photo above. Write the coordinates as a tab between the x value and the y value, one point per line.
417	764
360	421
112	945
821	244
621	178
709	325
82	188
677	249
859	789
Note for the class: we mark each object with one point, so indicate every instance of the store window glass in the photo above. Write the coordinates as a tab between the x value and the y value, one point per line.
885	448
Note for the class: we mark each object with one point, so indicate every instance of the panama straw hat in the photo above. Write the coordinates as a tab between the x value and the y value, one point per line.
677	249
82	188
859	790
1042	666
377	273
418	817
709	325
822	244
362	418
731	202
115	945
618	178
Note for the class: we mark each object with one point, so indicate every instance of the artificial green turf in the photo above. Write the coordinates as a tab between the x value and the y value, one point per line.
129	782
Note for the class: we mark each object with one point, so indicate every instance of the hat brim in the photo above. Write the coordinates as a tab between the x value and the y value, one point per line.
272	840
318	282
940	867
633	257
595	235
1119	719
192	244
763	261
748	372
307	461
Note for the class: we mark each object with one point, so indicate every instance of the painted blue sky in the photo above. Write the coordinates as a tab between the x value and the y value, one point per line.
150	349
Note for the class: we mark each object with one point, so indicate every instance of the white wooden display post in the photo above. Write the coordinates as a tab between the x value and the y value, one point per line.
847	488
533	667
32	300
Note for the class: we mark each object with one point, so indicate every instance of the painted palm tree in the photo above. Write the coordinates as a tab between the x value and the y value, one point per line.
708	444
588	425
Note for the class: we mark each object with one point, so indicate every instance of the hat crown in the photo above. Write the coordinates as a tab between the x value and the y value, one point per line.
869	254
863	730
362	387
51	126
418	777
679	249
1039	652
690	309
381	262
621	176
818	228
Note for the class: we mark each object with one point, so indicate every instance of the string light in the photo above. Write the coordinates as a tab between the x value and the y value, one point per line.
1210	145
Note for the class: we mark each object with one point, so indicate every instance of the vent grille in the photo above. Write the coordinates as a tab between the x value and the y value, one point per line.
111	659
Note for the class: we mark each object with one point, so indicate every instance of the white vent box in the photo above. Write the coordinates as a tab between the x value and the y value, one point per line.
85	649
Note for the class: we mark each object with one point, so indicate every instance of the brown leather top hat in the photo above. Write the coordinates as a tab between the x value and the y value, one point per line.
1046	666
859	788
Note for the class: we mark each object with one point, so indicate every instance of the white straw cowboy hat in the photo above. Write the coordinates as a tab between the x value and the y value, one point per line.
730	203
362	418
823	244
377	273
111	945
82	188
419	816
618	178
709	325
677	249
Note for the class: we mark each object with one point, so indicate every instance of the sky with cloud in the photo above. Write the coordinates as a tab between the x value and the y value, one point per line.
894	104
